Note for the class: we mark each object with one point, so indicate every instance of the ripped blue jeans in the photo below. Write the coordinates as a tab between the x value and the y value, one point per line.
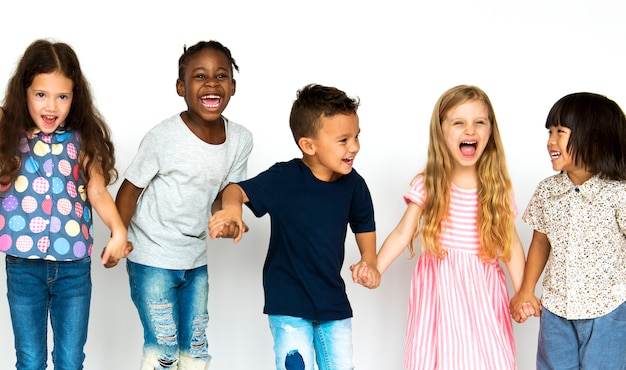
300	343
172	307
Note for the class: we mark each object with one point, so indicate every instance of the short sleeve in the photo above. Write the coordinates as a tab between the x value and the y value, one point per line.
145	165
416	193
534	214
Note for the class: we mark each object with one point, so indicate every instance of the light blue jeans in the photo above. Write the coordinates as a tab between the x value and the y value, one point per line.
592	344
299	343
172	307
36	288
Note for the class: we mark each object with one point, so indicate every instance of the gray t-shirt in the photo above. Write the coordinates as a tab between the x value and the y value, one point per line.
181	176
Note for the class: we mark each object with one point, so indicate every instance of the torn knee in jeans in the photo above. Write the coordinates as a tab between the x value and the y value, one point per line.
199	345
294	360
156	359
167	362
164	326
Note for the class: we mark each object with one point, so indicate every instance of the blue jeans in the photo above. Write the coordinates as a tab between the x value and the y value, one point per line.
172	307
299	343
591	344
36	288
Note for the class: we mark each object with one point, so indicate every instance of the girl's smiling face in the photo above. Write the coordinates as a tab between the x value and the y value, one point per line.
49	99
561	158
466	130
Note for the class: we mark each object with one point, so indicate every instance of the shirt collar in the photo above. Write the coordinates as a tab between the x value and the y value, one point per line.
587	190
58	136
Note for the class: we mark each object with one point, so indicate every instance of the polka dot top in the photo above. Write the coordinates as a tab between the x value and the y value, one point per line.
45	212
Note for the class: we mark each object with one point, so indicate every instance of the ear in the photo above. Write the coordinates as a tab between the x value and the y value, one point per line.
234	84
307	145
180	88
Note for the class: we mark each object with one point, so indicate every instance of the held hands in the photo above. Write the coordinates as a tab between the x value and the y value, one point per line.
523	306
362	274
115	250
227	223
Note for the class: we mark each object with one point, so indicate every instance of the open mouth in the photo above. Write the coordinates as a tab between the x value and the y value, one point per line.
468	148
349	160
555	155
49	120
211	101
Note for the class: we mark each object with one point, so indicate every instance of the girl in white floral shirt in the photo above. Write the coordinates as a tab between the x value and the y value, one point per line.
579	222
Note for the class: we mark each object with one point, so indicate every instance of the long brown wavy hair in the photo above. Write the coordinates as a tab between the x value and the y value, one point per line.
43	56
496	214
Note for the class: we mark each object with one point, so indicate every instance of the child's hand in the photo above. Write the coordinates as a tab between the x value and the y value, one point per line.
225	224
114	251
231	230
523	306
362	274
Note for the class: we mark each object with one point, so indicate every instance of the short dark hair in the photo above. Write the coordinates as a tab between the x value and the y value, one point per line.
188	52
314	101
598	137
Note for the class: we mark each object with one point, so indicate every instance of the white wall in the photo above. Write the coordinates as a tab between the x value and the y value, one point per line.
398	58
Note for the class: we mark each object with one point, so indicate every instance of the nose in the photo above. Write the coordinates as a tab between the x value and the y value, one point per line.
51	105
470	129
211	81
355	147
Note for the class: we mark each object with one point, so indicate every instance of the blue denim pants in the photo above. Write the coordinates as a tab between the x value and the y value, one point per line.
172	307
299	343
38	288
591	344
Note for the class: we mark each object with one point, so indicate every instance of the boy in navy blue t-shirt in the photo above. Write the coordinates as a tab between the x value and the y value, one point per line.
310	202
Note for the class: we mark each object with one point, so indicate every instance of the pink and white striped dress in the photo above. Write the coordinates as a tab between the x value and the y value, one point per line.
458	315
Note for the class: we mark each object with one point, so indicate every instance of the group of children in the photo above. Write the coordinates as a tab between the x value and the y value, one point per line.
190	171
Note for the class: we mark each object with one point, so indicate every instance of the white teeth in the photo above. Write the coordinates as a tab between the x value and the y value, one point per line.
468	142
555	154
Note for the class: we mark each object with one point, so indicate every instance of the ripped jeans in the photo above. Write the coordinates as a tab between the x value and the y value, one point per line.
299	343
172	307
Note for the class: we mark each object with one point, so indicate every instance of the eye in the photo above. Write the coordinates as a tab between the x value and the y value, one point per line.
222	76
64	97
40	94
200	76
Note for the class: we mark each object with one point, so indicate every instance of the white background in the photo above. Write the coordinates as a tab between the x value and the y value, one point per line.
396	56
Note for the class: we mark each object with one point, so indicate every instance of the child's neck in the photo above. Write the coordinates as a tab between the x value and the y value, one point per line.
465	178
212	132
579	177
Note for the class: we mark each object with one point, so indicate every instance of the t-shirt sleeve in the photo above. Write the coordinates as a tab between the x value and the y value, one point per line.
260	189
362	210
243	148
145	165
416	193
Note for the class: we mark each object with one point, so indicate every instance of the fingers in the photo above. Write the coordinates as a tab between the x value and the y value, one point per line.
129	248
359	272
524	311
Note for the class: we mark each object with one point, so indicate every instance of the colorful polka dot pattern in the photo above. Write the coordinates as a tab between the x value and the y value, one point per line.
45	213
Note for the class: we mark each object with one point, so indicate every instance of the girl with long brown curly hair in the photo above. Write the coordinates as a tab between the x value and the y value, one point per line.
56	159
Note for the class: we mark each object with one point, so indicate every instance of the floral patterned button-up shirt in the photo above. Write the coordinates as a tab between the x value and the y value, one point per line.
585	275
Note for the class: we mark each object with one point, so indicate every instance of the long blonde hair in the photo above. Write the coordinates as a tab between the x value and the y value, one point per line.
496	213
